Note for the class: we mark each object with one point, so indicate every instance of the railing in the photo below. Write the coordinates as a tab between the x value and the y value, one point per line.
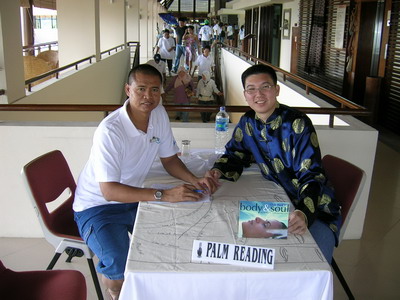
75	64
32	49
308	85
347	107
190	108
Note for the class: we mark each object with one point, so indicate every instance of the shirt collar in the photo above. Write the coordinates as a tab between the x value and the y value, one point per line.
130	129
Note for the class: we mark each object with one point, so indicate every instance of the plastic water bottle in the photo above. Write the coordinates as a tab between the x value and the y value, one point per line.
221	130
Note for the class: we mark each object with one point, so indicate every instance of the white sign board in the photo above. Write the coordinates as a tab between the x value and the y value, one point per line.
242	255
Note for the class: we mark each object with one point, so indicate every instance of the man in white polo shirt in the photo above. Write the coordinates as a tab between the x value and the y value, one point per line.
110	186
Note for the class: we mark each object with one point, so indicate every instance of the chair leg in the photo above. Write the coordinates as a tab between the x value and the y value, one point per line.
53	261
95	279
341	279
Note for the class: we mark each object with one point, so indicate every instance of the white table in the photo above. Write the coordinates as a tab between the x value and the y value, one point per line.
159	261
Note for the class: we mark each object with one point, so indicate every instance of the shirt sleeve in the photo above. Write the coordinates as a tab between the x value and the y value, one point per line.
106	155
313	193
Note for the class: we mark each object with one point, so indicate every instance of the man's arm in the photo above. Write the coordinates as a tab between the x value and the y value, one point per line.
176	168
115	191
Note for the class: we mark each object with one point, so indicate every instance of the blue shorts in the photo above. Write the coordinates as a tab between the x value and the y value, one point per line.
105	230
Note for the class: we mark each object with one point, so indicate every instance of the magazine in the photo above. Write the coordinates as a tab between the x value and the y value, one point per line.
260	219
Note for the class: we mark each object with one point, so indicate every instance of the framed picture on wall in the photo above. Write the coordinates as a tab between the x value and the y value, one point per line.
286	23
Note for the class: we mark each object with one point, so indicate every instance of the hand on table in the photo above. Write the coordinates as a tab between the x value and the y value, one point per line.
181	193
297	222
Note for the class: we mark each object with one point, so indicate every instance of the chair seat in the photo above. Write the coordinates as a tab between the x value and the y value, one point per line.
42	285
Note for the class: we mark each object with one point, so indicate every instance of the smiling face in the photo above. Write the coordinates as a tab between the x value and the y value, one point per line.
258	228
260	93
144	93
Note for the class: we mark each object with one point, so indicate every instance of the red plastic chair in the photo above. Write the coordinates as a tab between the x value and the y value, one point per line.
42	285
348	181
48	179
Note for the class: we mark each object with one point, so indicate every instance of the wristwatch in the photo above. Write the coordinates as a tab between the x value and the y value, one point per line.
158	195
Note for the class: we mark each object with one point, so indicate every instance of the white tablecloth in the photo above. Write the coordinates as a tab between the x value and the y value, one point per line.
159	265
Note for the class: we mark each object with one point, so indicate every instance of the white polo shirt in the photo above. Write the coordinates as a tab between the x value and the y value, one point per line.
164	45
204	63
122	153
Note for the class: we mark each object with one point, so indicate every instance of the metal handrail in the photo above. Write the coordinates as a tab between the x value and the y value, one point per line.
39	47
75	64
309	85
352	108
56	71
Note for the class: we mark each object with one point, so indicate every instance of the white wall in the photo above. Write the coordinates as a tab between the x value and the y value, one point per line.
76	30
111	24
99	83
11	63
286	45
19	219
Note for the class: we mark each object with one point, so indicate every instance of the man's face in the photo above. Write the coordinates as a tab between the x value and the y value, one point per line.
144	93
181	23
166	35
258	228
260	93
206	52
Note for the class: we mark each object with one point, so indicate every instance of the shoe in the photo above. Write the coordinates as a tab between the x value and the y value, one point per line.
177	118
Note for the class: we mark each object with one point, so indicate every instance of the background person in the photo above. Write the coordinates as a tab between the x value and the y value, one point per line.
205	34
157	63
179	84
125	144
282	141
180	31
206	88
166	48
192	46
204	62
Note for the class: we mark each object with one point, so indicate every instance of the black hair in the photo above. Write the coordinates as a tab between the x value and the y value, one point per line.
143	69
182	19
191	27
166	30
206	47
259	69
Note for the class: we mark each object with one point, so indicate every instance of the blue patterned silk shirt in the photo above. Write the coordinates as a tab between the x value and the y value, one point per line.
286	149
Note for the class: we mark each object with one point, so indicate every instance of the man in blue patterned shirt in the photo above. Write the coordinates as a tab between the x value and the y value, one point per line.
284	144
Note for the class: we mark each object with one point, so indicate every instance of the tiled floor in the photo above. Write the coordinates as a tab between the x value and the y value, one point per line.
371	265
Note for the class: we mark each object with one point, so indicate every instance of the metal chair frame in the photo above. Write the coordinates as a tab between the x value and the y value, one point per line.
46	178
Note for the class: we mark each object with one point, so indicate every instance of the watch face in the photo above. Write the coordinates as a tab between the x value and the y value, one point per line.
158	195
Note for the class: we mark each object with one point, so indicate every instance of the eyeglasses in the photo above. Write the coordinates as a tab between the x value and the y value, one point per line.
263	89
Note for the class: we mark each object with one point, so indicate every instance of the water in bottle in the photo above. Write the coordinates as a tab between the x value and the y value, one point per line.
221	130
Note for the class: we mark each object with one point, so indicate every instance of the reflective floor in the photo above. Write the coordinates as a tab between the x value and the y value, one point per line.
371	265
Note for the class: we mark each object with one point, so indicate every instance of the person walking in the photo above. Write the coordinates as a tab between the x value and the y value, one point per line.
192	46
180	31
166	48
205	34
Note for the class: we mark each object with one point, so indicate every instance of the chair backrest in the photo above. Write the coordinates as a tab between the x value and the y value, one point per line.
47	177
348	181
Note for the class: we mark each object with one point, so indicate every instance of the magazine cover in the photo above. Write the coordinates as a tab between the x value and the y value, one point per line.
260	219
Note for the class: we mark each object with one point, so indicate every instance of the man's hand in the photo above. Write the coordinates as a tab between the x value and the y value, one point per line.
181	193
214	174
297	222
209	184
